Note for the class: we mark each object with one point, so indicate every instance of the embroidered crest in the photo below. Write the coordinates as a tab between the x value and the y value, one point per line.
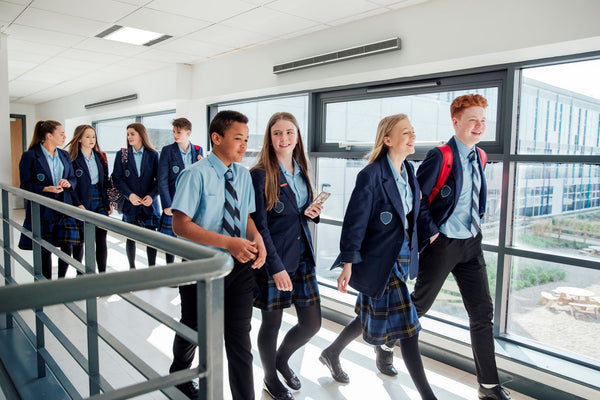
79	173
445	191
278	207
386	217
175	169
127	173
41	177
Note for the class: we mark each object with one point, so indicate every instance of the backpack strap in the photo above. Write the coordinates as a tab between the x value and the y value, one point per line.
482	157
447	160
124	155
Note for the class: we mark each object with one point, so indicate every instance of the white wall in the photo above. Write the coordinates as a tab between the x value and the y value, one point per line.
5	173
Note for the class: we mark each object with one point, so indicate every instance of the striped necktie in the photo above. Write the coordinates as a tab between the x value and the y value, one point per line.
231	217
475	227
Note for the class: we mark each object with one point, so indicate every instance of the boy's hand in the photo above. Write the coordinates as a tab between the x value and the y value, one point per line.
261	257
242	249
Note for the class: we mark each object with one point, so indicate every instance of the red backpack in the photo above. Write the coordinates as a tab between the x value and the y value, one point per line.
447	159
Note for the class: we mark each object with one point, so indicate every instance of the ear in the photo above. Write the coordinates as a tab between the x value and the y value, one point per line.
216	138
387	141
454	121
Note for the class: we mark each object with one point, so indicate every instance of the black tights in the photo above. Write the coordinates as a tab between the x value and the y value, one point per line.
408	346
47	262
101	250
130	249
273	359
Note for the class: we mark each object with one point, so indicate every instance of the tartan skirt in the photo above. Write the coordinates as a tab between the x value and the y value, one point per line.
142	219
59	231
305	290
97	206
165	224
393	316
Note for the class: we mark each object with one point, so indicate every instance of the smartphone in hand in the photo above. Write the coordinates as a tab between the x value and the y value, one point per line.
320	199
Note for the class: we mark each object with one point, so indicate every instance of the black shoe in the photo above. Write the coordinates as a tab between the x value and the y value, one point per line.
190	389
290	378
495	393
385	361
283	394
334	367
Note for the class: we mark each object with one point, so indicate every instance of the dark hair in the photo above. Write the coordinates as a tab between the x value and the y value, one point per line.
182	123
468	100
141	130
223	120
42	128
74	145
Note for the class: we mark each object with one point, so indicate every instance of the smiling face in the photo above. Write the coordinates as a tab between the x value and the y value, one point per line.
469	125
401	139
232	146
284	137
133	138
57	137
88	139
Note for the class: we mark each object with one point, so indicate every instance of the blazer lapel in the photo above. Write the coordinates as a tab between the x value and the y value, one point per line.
456	169
286	190
130	164
179	157
44	163
389	184
100	168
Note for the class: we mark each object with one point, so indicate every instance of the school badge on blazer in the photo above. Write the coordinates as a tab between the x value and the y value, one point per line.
175	169
445	191
41	177
127	173
279	207
79	173
386	217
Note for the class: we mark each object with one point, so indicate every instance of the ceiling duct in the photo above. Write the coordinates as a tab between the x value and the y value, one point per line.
340	55
111	101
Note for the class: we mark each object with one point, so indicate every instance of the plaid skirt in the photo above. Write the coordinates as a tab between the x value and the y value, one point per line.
97	206
305	290
142	219
59	231
393	316
165	224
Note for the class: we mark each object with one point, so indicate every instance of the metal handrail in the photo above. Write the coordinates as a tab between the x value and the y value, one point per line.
206	267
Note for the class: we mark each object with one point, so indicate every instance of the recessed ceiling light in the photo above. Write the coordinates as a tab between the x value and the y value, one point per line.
135	36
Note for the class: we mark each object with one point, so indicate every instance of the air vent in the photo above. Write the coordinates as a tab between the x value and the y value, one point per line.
340	55
111	101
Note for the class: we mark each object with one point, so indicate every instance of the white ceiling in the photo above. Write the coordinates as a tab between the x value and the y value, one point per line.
53	51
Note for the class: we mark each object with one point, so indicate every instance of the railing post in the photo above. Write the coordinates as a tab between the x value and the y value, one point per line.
92	312
37	270
7	242
210	337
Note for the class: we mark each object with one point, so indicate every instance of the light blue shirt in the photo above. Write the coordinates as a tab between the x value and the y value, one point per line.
137	157
403	188
55	163
200	193
186	155
92	167
297	183
458	224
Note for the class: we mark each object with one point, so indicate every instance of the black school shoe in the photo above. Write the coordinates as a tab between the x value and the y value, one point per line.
495	393
281	395
385	361
190	389
334	367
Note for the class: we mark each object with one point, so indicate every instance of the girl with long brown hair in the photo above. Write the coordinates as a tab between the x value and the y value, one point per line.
283	208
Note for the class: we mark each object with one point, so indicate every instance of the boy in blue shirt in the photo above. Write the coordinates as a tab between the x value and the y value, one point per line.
212	206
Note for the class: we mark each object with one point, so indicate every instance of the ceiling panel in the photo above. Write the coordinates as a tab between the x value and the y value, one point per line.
161	22
405	3
356	17
218	10
95	44
268	21
105	10
232	37
322	11
9	11
60	23
90	56
165	55
17	68
21	87
43	36
16	46
194	48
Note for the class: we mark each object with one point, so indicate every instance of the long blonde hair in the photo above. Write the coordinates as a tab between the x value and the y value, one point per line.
385	127
267	160
74	144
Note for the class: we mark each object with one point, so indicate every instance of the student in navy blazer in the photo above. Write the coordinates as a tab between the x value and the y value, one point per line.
379	252
174	158
46	170
91	171
283	209
450	235
136	178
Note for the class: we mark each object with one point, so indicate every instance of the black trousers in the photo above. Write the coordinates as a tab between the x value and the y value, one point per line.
464	259
239	293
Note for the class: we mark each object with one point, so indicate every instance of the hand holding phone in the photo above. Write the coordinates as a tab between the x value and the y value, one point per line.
314	210
320	199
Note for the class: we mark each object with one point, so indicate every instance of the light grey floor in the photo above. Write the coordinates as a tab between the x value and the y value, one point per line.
152	342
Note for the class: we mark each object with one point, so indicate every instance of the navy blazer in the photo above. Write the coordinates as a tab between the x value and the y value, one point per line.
373	230
170	164
125	178
83	191
442	206
281	227
35	175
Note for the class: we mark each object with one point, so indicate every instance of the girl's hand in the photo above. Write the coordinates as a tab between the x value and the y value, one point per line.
110	209
135	199
82	207
344	278
314	211
53	189
283	281
147	201
64	183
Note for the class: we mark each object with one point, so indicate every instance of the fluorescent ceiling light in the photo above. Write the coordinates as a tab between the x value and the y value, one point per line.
135	36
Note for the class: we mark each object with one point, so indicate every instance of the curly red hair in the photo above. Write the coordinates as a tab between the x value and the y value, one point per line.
460	103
